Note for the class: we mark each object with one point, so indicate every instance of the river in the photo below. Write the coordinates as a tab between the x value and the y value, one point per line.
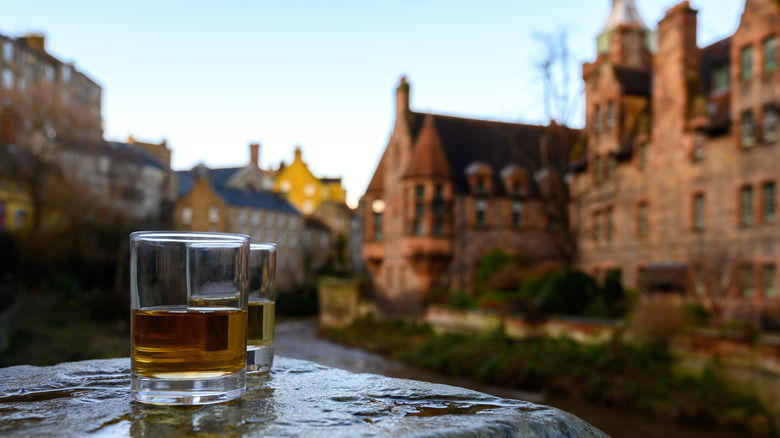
297	339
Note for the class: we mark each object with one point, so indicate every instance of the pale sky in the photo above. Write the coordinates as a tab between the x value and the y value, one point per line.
212	77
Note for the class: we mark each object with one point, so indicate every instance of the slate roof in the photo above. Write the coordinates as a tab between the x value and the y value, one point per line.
719	109
497	144
249	198
116	151
218	179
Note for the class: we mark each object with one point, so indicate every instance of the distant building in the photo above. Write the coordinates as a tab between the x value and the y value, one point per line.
40	93
446	191
680	169
303	189
237	200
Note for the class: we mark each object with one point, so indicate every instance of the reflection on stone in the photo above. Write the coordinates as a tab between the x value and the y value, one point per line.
297	398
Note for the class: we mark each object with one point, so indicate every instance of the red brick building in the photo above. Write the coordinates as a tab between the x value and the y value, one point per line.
680	171
446	191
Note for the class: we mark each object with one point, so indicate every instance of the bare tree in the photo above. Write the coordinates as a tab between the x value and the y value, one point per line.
556	146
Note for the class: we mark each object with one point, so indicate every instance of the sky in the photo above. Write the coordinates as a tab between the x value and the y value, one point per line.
212	77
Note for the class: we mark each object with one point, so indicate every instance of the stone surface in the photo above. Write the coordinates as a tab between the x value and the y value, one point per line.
298	398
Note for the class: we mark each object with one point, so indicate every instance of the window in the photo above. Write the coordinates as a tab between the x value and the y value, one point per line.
309	190
214	214
241	217
481	188
699	287
65	74
643	156
308	207
8	51
769	131
698	145
597	225
609	225
746	283
641	219
255	219
377	207
769	281
748	125
746	206
8	79
746	63
48	73
284	186
293	222
517	214
611	166
419	210
517	189
186	215
597	119
281	221
768	205
611	121
597	169
698	212
481	211
438	210
770	54
269	219
20	217
720	79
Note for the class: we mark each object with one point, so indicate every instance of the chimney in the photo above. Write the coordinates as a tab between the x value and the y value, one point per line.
254	154
36	41
676	64
402	98
298	153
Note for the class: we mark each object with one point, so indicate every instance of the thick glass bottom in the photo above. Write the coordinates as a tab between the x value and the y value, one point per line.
259	359
180	389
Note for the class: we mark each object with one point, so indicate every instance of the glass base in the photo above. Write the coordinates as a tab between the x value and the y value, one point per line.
187	391
259	359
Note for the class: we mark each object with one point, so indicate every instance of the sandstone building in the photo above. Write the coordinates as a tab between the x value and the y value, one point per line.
680	170
446	191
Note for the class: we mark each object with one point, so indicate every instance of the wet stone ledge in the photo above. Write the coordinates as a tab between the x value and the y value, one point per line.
298	398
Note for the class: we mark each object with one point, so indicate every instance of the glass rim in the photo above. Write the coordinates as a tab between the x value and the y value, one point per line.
262	246
188	236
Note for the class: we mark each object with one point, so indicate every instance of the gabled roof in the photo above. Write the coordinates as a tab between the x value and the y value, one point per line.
377	183
428	158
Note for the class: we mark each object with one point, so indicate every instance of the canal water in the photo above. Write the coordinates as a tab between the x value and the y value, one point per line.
297	339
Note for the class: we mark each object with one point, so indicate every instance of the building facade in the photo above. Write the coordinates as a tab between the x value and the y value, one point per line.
304	190
40	93
682	144
237	200
446	191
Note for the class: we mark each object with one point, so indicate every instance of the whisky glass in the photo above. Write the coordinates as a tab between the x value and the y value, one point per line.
262	308
188	301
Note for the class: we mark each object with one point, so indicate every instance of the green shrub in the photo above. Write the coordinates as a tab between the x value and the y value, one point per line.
568	293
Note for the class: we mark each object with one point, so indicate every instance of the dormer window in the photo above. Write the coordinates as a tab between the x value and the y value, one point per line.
720	79
479	176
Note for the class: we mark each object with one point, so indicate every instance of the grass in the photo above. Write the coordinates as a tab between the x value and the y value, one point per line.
613	374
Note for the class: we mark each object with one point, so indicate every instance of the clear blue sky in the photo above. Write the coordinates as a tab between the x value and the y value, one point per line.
211	77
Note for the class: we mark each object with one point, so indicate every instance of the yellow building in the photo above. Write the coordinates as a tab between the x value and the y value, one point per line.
16	209
304	190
